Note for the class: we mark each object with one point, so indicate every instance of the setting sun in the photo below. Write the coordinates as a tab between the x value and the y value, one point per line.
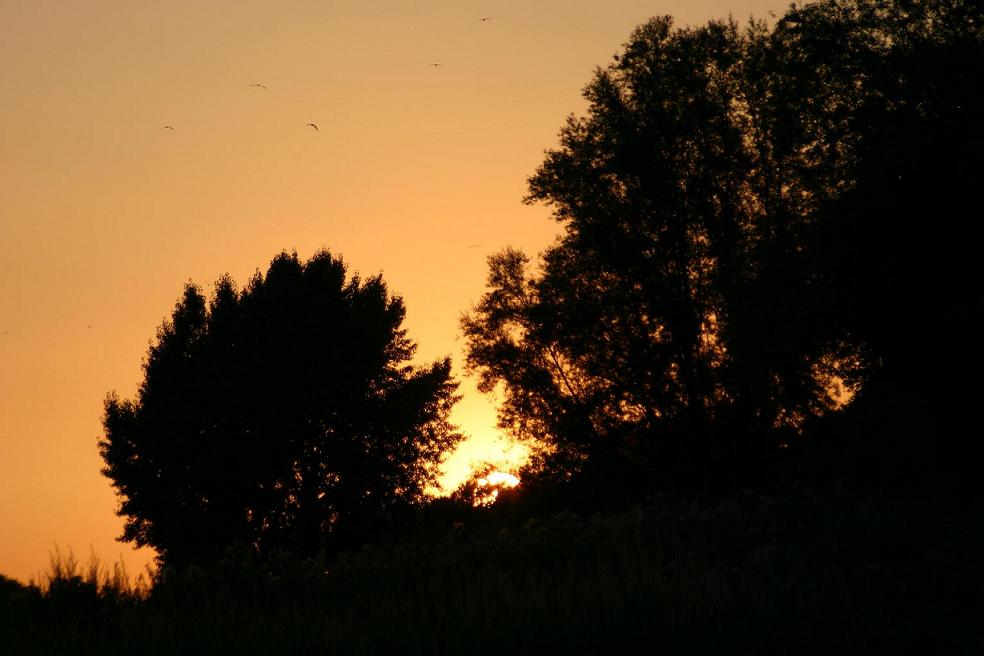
487	487
500	479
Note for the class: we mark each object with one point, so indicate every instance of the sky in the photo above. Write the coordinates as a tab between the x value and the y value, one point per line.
416	172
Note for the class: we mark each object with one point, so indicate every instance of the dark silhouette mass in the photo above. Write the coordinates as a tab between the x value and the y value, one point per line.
285	416
758	223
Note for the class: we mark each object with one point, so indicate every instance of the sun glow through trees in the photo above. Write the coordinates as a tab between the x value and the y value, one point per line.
488	487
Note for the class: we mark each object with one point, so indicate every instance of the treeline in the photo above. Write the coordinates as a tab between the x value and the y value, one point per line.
766	271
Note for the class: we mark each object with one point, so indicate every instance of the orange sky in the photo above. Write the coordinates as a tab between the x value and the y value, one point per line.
104	215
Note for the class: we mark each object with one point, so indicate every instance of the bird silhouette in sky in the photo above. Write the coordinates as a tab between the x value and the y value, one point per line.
168	127
437	64
314	126
262	86
474	245
484	19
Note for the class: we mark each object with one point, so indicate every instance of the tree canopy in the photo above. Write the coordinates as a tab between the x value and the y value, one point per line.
282	416
745	212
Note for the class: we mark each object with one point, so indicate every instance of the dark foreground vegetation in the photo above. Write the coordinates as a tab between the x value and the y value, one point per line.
801	572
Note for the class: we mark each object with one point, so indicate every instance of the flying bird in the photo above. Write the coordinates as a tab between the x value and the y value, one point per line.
167	127
314	126
484	19
474	245
437	64
262	86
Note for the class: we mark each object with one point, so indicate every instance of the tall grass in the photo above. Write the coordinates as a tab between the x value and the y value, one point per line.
66	577
800	572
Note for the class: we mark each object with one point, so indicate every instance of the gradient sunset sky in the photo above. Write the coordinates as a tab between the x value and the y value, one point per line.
416	171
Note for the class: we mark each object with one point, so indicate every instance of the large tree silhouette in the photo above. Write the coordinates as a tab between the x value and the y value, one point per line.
283	416
700	311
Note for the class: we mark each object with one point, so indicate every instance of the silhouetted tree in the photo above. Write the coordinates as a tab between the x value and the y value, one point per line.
652	332
283	416
691	318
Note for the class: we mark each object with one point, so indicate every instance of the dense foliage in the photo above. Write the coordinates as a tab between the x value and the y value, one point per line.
282	416
759	222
